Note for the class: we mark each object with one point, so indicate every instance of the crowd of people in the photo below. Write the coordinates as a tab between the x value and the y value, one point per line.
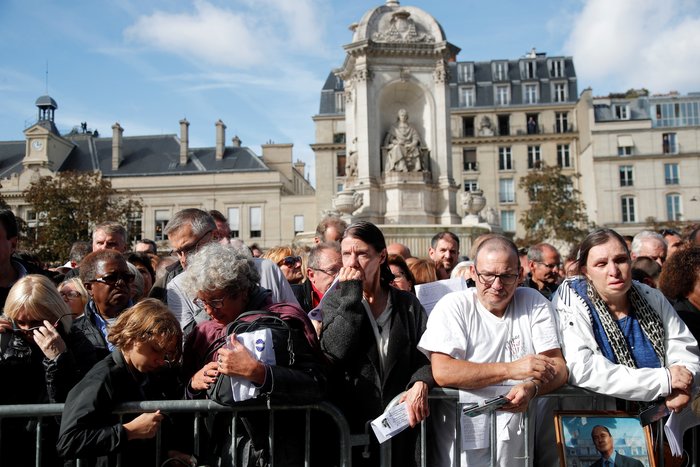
618	316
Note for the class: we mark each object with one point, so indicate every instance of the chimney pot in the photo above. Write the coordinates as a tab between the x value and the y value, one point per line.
184	141
220	139
117	151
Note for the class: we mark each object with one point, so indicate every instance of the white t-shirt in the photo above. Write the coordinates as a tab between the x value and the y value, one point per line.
461	327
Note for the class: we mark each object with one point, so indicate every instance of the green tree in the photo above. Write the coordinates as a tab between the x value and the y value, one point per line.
68	206
556	210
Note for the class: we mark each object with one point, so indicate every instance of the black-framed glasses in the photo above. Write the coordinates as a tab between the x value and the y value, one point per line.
290	261
70	294
549	266
113	278
30	331
188	250
489	278
328	272
215	304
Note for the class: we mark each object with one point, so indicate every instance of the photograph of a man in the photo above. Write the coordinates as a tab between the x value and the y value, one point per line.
603	441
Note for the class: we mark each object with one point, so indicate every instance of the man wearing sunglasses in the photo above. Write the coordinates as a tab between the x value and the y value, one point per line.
108	281
491	340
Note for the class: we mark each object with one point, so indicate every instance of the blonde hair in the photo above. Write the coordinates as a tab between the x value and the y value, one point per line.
423	271
278	253
77	284
37	297
147	321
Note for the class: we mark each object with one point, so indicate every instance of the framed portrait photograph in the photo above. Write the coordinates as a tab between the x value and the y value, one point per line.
590	439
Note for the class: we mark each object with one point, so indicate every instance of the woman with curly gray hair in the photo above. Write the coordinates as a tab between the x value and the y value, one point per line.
225	284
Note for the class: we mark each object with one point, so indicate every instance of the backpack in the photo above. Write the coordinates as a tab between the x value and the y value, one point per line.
282	341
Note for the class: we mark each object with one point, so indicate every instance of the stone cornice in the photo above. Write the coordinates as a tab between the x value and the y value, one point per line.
328	146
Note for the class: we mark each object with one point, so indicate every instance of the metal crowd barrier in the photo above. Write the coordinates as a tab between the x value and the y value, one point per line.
200	409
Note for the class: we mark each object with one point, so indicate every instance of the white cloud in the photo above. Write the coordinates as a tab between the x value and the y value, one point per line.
637	43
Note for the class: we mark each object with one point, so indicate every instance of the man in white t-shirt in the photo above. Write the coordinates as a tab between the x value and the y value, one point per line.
495	339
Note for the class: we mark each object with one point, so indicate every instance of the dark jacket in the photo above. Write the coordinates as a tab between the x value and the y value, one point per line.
689	314
357	387
28	377
620	461
91	432
86	325
547	291
303	292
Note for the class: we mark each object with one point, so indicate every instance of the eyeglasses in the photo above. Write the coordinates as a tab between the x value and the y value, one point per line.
215	304
70	294
329	272
113	278
290	261
489	278
548	266
187	250
665	232
30	331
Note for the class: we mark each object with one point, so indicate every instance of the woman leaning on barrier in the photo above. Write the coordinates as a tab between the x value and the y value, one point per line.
370	333
147	337
622	338
41	359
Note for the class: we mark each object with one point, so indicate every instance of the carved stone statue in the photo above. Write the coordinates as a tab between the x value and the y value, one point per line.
351	162
403	147
485	128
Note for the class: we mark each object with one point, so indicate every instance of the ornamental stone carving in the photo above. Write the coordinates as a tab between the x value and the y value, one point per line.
402	29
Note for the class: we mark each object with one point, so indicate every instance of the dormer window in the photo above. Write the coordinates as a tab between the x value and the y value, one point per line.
500	71
559	92
621	111
340	102
529	69
465	72
556	68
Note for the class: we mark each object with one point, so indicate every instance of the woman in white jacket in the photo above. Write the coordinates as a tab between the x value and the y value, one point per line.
621	338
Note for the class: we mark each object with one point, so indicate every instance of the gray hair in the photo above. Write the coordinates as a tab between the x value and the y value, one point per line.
639	239
138	281
199	221
317	250
534	253
458	270
112	228
220	267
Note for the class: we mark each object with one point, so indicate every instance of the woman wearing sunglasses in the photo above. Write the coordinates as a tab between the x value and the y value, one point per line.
289	262
107	279
40	361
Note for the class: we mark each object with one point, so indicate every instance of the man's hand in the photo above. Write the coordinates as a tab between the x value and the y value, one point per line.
416	399
145	426
677	400
681	378
520	396
535	366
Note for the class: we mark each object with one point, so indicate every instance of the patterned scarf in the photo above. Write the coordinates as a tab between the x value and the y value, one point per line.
649	321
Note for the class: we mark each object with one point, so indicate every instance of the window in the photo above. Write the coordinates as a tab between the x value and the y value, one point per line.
626	175
532	124
134	227
669	143
339	187
503	125
465	72
671	174
624	150
533	191
621	111
506	190
161	219
676	114
673	207
469	159
559	92
508	221
467	126
255	222
298	224
340	164
471	185
234	222
502	95
505	158
340	102
534	157
530	94
563	155
628	213
561	122
556	68
500	71
529	69
339	138
466	97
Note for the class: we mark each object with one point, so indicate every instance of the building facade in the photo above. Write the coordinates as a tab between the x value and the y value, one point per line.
266	198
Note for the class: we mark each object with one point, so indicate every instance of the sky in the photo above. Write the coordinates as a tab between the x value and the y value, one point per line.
259	65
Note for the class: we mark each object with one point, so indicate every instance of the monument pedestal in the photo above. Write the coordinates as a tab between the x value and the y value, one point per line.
409	198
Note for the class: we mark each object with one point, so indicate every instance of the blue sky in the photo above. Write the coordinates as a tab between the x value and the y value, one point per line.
259	65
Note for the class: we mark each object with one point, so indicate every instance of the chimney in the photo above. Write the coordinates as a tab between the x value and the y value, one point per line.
184	141
236	141
220	139
117	131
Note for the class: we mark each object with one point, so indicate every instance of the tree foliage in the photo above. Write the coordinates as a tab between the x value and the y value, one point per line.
68	206
556	210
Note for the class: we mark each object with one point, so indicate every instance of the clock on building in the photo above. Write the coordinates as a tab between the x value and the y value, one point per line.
37	144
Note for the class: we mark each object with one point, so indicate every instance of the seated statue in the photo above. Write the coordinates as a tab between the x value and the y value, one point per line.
403	147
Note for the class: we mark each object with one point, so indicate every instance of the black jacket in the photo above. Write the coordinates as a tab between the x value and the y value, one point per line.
91	432
357	387
304	294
